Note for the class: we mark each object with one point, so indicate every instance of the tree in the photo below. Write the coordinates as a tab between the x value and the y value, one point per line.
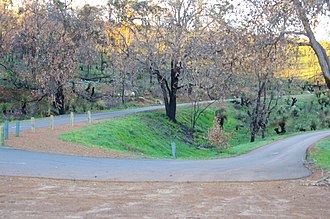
211	73
49	49
46	45
92	39
302	13
15	86
262	62
121	58
295	20
163	40
264	55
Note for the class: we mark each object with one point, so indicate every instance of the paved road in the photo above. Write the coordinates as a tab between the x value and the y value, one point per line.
281	160
65	119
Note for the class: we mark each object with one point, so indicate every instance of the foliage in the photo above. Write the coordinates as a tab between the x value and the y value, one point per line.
218	137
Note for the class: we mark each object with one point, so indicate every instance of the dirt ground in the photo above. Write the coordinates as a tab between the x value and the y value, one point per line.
47	140
45	198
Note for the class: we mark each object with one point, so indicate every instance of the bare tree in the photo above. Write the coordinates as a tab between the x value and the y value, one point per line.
46	46
264	54
165	36
295	21
303	10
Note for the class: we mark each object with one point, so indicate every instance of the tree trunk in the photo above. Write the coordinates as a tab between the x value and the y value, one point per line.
262	133
253	136
23	108
171	112
169	92
123	91
150	78
256	116
163	85
169	100
175	73
59	98
320	52
102	62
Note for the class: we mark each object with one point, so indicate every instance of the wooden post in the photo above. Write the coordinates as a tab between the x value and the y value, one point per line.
33	125
2	136
6	130
52	126
173	149
71	119
17	128
89	117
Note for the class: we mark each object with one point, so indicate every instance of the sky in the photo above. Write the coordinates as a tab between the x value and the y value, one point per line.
321	32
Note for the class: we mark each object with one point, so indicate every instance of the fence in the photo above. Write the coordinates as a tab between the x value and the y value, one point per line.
5	128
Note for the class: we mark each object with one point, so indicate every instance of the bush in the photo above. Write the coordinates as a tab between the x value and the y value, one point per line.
310	106
327	121
218	137
100	105
313	125
4	108
242	116
221	115
281	111
295	112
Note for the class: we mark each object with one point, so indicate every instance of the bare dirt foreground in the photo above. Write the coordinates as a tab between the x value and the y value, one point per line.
45	198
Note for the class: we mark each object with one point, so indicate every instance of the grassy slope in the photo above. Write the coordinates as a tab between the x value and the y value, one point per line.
321	154
151	134
147	134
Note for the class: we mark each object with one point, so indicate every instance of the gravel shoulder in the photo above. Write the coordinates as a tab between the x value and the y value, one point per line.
47	140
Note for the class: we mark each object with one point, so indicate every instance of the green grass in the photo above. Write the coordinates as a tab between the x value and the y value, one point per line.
150	134
321	154
145	134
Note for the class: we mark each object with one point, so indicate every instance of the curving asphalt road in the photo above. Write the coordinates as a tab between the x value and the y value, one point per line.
65	119
280	160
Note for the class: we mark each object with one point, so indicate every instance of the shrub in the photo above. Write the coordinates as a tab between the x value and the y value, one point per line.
218	137
310	106
313	125
318	94
73	107
238	106
4	108
295	112
327	121
324	101
100	105
281	111
242	116
221	115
